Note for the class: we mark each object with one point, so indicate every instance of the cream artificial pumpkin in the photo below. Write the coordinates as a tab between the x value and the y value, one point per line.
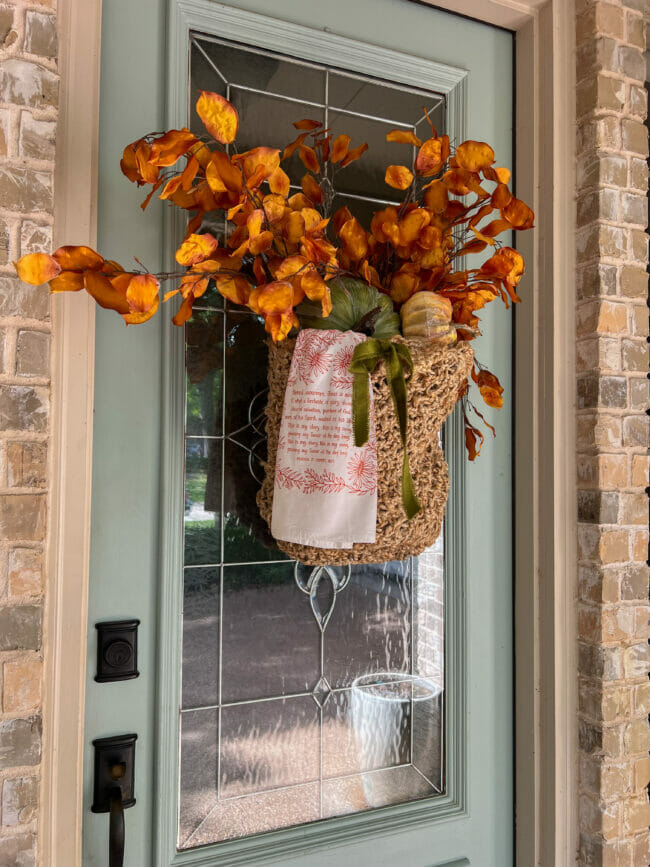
427	316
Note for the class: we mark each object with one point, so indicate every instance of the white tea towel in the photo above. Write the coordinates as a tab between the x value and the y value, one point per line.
325	491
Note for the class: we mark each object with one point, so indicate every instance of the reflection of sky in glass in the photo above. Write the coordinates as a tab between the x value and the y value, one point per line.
274	730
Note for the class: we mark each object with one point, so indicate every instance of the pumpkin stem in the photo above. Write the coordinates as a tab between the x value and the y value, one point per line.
365	323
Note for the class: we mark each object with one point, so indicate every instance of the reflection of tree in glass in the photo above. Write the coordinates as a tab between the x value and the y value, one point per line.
203	362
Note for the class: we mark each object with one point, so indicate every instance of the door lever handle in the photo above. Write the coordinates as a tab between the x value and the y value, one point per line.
116	821
114	788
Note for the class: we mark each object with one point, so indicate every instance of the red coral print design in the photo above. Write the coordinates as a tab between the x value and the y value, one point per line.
323	483
362	470
341	377
288	478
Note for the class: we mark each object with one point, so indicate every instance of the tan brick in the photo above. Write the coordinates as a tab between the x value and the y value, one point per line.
603	317
635	431
614	546
40	34
19	800
600	18
598	430
639	320
639	540
638	177
638	390
637	101
642	623
640	471
35	237
641	773
26	465
637	245
634	136
22	686
24	408
25	572
641	854
26	83
36	137
636	662
612	470
636	815
598	205
599	583
634	208
618	623
633	509
642	698
635	30
22	517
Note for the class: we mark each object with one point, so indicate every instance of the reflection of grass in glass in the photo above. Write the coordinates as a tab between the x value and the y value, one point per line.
203	546
195	487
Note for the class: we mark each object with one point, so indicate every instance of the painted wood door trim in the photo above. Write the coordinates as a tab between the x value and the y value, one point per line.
545	628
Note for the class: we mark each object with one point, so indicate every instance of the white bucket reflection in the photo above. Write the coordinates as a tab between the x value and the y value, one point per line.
382	712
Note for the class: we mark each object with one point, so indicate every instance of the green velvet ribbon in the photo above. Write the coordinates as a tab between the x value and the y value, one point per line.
365	359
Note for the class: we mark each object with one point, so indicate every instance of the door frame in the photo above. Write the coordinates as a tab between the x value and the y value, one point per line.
544	556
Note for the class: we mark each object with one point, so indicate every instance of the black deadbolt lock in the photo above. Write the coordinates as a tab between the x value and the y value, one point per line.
117	650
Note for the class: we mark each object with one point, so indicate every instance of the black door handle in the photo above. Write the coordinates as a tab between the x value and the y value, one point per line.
114	788
116	821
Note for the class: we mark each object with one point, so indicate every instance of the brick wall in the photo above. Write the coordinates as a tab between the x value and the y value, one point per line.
28	101
612	395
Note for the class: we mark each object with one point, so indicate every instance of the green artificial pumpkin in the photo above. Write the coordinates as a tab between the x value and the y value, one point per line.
356	306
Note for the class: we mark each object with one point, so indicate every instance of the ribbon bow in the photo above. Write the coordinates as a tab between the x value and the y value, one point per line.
365	359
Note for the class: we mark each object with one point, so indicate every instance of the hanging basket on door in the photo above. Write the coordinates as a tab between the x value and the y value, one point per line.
300	264
438	375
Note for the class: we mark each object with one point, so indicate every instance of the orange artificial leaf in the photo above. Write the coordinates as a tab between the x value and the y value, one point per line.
129	164
234	288
340	147
274	207
184	311
222	176
170	147
494	228
403	136
490	388
295	227
148	172
105	293
307	124
353	155
37	268
294	145
398	177
312	189
355	240
67	281
196	248
137	318
218	115
171	187
474	156
474	246
290	266
404	284
473	441
259	164
501	196
254	222
189	173
316	289
278	325
381	221
432	156
276	297
503	175
341	216
412	224
436	197
261	243
73	258
308	158
518	214
279	182
142	292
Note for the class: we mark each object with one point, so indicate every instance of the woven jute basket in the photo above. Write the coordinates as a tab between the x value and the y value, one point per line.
432	391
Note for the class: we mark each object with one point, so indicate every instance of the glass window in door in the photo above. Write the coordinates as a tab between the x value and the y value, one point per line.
307	692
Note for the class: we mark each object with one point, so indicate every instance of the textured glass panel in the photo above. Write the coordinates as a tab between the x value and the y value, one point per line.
202	501
199	736
204	369
263	616
265	745
201	637
307	692
378	637
399	106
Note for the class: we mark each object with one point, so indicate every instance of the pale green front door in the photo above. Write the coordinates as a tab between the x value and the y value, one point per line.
257	741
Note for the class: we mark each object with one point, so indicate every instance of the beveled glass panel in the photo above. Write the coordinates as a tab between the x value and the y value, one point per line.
307	692
268	745
263	615
202	516
201	616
